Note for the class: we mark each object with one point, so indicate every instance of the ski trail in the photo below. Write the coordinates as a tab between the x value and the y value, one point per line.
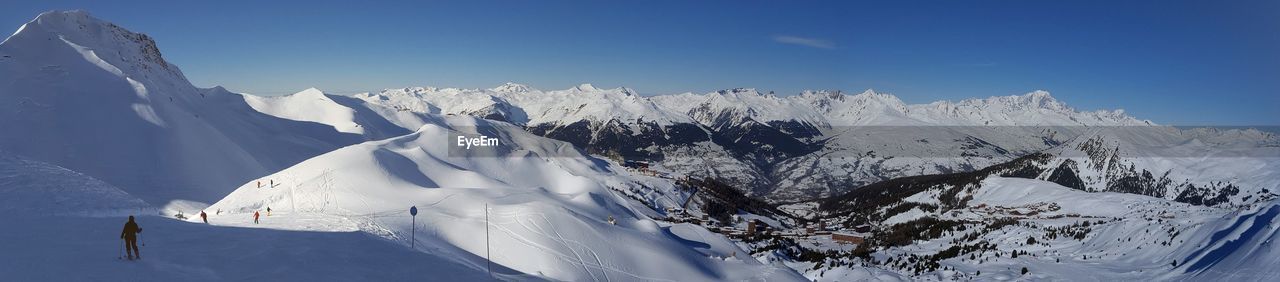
564	242
528	242
580	261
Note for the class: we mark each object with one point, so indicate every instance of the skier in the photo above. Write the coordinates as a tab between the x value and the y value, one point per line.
255	217
268	211
205	217
130	236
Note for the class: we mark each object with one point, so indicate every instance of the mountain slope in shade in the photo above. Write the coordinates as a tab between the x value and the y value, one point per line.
88	95
29	187
218	253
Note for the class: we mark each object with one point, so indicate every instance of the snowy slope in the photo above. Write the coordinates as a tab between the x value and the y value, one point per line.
64	226
1059	233
548	206
309	105
90	96
29	187
1241	247
87	249
343	113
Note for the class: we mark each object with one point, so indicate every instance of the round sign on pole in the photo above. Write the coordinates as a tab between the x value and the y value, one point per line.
413	211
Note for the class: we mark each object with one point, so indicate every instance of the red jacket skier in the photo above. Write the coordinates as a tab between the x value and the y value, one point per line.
204	217
255	217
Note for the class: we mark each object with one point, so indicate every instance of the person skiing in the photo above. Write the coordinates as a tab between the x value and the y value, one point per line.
205	217
130	236
255	217
268	211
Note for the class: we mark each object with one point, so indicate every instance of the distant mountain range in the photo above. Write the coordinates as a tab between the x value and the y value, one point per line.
800	147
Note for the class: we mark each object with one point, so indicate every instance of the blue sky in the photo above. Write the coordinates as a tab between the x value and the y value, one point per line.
1174	62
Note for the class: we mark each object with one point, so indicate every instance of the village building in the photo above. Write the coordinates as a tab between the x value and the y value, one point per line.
847	237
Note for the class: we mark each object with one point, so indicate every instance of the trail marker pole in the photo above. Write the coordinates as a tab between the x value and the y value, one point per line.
413	212
488	259
293	202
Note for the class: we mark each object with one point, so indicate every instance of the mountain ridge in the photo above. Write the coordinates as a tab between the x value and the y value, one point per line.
753	134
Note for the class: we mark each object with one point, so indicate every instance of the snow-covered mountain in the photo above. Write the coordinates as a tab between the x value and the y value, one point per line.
815	144
611	122
1167	163
535	107
90	96
549	206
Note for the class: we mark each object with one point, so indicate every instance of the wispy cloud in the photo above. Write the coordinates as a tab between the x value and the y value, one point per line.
802	41
983	64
